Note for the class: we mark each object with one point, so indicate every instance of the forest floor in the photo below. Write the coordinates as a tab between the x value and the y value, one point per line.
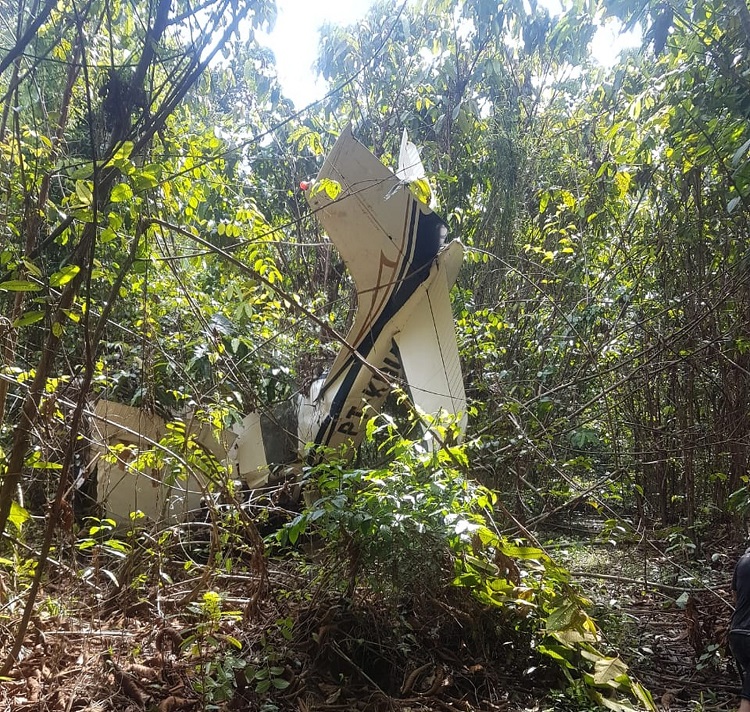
664	607
200	639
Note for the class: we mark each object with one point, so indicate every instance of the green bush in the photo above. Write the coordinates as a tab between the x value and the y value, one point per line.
418	522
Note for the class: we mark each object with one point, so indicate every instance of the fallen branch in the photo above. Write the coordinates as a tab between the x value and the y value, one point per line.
647	584
655	679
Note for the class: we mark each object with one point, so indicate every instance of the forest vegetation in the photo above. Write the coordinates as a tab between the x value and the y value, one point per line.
156	250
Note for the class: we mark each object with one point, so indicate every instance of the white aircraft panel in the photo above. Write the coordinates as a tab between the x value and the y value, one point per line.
427	342
122	488
373	223
248	452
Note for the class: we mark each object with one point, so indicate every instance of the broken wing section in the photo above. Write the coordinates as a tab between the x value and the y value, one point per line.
373	243
123	488
248	453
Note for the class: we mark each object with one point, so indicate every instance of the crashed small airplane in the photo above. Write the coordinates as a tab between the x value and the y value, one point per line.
396	250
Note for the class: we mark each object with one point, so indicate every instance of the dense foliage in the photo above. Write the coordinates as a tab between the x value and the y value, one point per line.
156	250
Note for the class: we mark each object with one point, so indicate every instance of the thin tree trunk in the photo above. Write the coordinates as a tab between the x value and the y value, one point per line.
32	226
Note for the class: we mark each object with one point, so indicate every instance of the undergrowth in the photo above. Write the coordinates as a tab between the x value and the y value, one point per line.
396	584
418	523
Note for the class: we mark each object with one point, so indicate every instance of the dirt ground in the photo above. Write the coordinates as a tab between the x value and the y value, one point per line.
233	641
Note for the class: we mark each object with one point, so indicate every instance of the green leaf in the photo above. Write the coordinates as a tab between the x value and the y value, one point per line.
524	552
562	617
614	705
608	670
121	193
739	153
569	624
84	170
557	653
107	235
233	641
643	695
117	545
421	190
57	329
123	151
19	285
61	278
305	137
148	177
83	191
331	187
279	683
28	318
32	268
45	465
18	515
